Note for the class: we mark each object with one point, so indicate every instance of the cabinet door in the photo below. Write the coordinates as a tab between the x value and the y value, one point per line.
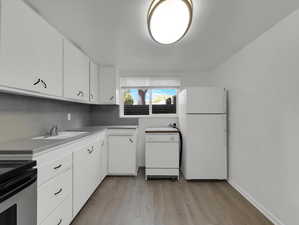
80	179
107	85
122	155
76	73
96	164
86	175
93	95
104	159
31	50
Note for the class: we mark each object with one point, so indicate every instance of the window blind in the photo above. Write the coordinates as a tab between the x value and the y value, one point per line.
162	82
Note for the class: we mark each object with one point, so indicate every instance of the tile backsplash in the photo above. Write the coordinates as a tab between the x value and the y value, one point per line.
23	116
109	115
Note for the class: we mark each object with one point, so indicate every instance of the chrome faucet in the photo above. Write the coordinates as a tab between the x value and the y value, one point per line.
53	131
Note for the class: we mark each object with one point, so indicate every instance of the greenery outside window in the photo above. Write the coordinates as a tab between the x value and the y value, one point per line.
139	102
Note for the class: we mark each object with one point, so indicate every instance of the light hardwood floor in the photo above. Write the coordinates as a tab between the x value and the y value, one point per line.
134	201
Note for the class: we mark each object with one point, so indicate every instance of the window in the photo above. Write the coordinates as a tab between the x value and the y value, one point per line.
164	101
136	101
148	96
148	101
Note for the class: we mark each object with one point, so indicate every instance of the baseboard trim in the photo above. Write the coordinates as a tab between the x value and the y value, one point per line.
256	204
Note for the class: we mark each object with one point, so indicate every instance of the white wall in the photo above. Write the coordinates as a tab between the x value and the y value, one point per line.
263	83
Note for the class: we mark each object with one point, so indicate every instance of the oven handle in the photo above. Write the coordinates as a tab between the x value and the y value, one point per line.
27	182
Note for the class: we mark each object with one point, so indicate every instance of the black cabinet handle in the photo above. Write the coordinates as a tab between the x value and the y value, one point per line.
37	82
112	97
57	167
58	192
131	140
44	84
90	151
60	221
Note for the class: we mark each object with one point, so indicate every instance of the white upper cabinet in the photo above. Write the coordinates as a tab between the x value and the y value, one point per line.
31	50
108	85
76	73
93	82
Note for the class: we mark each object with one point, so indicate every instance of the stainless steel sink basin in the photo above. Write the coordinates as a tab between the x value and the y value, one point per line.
61	135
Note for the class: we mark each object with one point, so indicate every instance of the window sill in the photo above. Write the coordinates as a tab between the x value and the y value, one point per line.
152	116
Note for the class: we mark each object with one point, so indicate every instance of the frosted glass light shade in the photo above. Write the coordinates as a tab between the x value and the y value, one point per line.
169	20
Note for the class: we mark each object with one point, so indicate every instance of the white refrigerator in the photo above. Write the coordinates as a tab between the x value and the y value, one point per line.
203	122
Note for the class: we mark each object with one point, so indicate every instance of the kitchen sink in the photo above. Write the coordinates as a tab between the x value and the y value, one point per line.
61	135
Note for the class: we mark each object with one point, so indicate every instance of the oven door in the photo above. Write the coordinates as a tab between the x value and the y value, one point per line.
20	208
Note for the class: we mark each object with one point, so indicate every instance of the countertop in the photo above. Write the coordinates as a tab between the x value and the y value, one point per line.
161	130
29	146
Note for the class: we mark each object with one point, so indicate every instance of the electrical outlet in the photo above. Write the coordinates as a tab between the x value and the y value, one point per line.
69	116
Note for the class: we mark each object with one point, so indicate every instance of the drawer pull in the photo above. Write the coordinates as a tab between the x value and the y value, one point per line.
60	221
90	151
44	84
80	94
111	98
130	139
37	82
58	192
57	167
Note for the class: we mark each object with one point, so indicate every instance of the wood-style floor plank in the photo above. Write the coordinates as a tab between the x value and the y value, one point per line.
134	201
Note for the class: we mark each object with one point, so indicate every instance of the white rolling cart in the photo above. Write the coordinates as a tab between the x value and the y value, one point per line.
162	152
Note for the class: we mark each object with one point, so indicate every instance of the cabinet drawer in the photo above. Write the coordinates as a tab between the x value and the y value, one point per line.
54	168
162	138
52	193
62	215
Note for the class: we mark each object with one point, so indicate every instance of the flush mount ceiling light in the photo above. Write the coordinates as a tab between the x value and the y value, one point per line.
169	20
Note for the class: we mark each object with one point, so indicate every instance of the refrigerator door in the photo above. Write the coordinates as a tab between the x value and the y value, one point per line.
205	147
206	100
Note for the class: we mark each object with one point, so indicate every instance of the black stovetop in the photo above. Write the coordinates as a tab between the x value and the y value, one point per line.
11	168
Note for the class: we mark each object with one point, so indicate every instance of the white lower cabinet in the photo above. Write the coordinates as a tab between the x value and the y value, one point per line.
52	194
104	158
122	152
51	169
84	175
88	172
68	175
62	215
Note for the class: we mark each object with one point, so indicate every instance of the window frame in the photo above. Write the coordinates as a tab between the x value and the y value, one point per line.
151	115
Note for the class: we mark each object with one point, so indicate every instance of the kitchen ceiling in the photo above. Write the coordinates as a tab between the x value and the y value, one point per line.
114	32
